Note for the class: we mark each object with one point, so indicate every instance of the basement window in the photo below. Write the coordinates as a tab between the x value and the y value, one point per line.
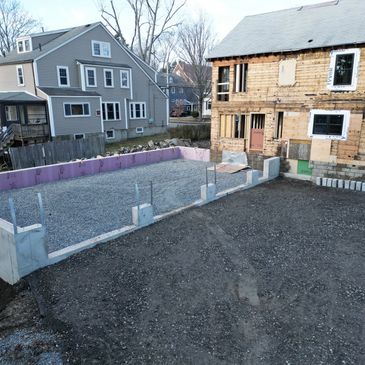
240	77
342	75
325	124
110	134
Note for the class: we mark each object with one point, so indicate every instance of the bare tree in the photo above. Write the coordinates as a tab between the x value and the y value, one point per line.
153	20
14	22
196	39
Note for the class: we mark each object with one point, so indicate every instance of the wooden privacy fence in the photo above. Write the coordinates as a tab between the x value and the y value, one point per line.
55	152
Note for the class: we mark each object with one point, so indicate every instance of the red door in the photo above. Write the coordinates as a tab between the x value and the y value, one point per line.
257	132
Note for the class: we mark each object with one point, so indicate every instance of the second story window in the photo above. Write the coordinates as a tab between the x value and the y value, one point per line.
63	76
223	84
342	75
24	45
91	77
20	75
240	77
101	49
108	78
124	79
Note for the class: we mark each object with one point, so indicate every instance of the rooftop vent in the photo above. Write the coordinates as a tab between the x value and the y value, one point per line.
320	5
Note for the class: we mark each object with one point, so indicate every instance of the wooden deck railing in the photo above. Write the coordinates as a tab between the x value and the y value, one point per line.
27	131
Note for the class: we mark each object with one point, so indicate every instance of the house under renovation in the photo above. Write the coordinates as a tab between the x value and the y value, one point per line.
291	83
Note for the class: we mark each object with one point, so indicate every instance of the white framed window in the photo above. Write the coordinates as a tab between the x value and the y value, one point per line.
108	78
76	110
79	136
101	49
91	77
124	79
20	75
110	134
11	113
329	124
24	45
139	130
63	76
137	110
111	111
343	70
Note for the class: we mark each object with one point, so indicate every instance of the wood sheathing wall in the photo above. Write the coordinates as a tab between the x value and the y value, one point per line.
309	91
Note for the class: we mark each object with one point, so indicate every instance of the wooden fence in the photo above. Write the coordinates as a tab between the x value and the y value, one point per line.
55	152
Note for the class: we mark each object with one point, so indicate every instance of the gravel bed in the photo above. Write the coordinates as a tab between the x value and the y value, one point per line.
82	208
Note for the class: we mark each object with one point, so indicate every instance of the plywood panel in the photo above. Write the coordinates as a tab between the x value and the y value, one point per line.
321	150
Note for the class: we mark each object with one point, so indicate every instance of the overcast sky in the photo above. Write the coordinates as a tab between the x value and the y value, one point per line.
224	14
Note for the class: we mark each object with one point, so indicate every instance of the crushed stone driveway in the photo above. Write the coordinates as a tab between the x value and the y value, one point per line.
271	275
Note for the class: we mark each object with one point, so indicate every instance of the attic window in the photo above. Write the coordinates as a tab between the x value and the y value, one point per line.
24	45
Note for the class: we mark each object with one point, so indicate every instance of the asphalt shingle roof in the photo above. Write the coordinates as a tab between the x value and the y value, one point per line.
334	23
18	97
67	91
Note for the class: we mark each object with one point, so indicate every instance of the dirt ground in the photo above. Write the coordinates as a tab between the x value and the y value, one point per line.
272	275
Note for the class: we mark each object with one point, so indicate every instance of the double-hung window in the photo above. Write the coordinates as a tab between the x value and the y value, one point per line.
329	124
63	76
223	84
91	77
124	79
20	75
76	109
342	74
101	49
137	110
24	45
108	78
111	111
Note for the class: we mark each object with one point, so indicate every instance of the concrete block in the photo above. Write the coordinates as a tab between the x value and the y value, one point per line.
329	182
253	177
352	185
324	181
347	184
358	186
208	192
334	183
340	184
271	168
234	157
319	181
363	187
142	215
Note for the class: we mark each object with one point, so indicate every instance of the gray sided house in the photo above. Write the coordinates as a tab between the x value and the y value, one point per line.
78	82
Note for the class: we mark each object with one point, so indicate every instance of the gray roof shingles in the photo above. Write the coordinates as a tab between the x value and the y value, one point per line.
327	24
67	91
18	97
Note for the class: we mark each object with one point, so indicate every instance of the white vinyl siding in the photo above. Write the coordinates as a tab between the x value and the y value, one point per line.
20	75
91	80
63	76
101	49
137	110
76	110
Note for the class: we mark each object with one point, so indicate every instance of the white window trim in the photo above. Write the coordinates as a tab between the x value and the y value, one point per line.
106	134
76	116
22	40
346	121
355	70
79	134
100	44
20	67
87	78
128	78
105	70
59	78
139	130
114	111
133	105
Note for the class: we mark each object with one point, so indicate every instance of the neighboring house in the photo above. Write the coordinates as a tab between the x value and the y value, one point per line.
292	83
183	100
79	82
